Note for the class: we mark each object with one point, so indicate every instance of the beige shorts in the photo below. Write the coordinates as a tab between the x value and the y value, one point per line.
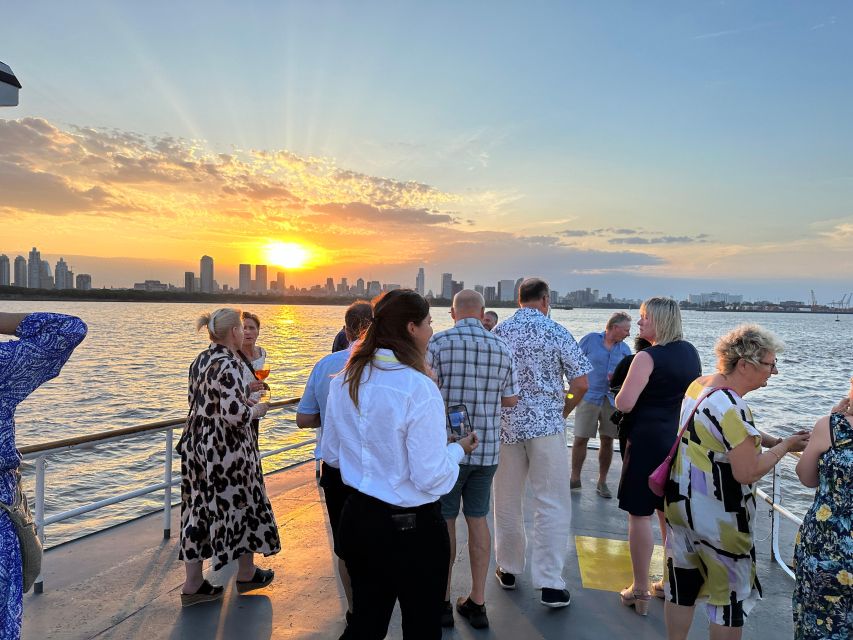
591	418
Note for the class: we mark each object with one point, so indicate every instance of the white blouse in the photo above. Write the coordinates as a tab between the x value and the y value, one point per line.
394	446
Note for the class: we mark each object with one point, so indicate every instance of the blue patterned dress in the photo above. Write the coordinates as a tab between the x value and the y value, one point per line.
823	558
45	343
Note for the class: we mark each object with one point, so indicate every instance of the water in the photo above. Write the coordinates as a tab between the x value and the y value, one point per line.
132	369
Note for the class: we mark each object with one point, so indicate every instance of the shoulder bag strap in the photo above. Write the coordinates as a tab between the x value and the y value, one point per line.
691	416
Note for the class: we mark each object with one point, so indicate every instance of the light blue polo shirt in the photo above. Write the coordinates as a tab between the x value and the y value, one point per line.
317	390
603	364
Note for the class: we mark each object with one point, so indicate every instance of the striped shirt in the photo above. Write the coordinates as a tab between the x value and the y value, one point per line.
474	367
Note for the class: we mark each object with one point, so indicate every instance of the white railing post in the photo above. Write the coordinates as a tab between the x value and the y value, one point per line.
167	480
38	587
774	526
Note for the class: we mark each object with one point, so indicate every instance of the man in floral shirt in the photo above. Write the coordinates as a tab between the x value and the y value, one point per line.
533	444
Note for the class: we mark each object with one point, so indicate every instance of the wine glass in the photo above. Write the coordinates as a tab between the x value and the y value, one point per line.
261	374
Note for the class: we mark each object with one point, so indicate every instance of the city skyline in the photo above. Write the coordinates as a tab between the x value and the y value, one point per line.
624	147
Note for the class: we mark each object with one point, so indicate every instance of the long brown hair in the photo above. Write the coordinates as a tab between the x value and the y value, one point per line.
392	313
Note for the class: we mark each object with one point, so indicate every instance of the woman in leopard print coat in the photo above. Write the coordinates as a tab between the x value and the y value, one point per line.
225	512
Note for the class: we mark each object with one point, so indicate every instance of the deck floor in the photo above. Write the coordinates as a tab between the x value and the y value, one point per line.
124	583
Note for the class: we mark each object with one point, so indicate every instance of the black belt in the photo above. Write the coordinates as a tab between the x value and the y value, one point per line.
394	508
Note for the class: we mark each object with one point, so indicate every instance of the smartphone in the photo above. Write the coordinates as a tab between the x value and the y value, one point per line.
458	422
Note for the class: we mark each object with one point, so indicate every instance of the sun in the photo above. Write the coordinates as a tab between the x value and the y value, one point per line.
289	255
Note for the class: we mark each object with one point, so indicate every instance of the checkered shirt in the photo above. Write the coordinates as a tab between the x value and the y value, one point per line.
474	367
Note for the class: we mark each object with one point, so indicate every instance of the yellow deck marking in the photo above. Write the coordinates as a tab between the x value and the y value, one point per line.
606	564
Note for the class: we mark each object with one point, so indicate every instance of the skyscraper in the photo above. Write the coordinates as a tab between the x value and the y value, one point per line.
279	278
447	286
419	281
84	281
189	281
206	270
5	271
374	288
20	271
245	278
505	290
330	286
34	269
359	287
62	275
261	282
46	276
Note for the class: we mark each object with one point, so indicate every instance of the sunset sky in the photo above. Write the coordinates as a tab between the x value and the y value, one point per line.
636	147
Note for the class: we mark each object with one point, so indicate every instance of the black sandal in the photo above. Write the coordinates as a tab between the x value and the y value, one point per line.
261	579
205	593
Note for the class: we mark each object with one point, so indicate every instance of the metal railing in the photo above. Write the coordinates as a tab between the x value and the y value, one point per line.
776	510
39	453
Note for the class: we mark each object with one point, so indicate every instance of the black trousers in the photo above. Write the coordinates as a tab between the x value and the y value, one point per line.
394	554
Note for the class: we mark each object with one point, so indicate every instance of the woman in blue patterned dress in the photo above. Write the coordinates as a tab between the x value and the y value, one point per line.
45	342
823	558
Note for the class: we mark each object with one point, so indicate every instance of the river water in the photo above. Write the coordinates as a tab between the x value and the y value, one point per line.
132	368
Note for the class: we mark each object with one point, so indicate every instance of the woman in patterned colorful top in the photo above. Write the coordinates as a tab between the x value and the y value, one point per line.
225	512
45	342
709	500
823	558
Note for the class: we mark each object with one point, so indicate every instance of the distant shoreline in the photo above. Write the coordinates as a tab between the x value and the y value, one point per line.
130	295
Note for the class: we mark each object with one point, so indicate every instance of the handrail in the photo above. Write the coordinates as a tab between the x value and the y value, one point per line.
92	438
775	502
39	453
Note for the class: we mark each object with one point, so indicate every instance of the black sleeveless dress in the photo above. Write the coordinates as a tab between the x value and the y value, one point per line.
654	423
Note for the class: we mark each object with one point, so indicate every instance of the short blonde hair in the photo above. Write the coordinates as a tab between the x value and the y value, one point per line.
667	318
218	323
750	342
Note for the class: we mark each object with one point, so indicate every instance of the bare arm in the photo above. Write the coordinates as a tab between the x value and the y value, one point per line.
577	389
307	420
749	466
818	444
636	380
9	322
509	401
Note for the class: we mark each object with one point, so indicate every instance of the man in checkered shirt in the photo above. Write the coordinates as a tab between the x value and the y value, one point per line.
473	367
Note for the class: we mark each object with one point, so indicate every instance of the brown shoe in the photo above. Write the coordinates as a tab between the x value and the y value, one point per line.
205	593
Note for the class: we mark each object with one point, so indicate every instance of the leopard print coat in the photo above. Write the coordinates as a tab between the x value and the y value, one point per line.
225	512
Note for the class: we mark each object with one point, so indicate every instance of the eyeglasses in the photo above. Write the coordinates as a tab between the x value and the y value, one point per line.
772	365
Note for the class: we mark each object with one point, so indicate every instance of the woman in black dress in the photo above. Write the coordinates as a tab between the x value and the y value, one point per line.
651	396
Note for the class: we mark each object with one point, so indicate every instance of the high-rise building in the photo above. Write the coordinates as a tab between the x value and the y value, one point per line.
34	269
391	286
84	281
206	272
505	291
5	271
374	288
279	278
359	287
245	278
330	286
419	281
447	286
20	271
46	276
479	289
489	294
62	275
189	281
343	287
516	288
456	287
261	283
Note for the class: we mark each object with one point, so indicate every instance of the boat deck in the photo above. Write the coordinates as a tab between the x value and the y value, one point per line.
124	583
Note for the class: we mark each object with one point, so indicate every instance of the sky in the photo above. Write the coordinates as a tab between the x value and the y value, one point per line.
638	148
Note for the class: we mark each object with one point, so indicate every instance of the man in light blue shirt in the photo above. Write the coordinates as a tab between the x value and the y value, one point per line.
311	413
604	350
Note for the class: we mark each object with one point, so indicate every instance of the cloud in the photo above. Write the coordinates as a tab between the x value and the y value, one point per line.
367	213
657	240
733	32
31	190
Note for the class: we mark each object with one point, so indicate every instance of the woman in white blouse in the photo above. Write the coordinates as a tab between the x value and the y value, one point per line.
385	430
